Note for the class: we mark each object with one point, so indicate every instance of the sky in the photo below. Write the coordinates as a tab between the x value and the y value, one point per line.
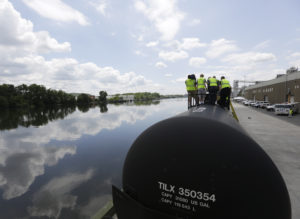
86	46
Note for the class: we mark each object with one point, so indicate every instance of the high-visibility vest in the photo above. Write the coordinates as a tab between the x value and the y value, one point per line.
225	83
213	82
201	83
190	84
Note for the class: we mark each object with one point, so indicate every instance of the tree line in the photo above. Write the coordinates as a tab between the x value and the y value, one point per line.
39	96
139	96
32	96
36	96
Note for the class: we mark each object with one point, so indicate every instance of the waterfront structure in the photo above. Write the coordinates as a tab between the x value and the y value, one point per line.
125	98
284	88
237	89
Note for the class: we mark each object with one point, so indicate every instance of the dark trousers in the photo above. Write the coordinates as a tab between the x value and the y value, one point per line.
225	97
213	94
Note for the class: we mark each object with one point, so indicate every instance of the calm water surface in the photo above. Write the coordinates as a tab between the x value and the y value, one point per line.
64	166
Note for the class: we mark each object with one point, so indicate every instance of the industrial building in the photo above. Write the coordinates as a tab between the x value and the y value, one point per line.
284	88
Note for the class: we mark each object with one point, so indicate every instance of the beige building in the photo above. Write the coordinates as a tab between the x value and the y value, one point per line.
284	88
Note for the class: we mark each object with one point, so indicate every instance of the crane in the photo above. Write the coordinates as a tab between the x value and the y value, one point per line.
237	89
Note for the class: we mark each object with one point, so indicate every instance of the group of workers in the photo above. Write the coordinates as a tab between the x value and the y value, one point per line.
197	89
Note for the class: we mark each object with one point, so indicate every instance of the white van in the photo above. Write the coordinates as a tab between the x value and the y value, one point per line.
284	108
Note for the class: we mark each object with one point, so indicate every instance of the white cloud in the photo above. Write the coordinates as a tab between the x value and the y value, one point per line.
197	61
21	62
139	53
164	14
17	36
173	55
71	76
294	59
249	58
220	47
180	80
168	75
264	74
262	45
57	10
194	22
100	6
139	37
295	63
294	55
185	44
152	44
161	65
191	43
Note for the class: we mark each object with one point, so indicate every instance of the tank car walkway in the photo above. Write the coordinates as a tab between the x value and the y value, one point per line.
281	140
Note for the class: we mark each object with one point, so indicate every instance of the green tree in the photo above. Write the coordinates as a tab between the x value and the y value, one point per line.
83	99
3	102
102	96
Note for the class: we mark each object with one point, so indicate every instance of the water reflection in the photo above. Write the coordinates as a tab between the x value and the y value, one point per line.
103	108
65	168
56	195
19	166
11	119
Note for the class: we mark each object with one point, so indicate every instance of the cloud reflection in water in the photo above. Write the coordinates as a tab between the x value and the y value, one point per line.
25	152
55	195
21	166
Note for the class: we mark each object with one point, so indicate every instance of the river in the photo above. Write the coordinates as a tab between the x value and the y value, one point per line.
62	163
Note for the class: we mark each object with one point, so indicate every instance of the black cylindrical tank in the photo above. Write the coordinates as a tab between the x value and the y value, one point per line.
200	165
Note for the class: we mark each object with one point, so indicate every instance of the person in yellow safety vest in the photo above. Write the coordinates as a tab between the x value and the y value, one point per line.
191	87
290	112
213	89
225	93
201	89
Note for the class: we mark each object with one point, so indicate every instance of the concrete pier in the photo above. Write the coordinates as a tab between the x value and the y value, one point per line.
281	140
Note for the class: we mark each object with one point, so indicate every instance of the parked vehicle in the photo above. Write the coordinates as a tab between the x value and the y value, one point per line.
264	105
239	99
284	108
246	102
256	104
270	108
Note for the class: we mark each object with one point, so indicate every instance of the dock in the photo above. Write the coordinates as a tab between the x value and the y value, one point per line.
281	141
